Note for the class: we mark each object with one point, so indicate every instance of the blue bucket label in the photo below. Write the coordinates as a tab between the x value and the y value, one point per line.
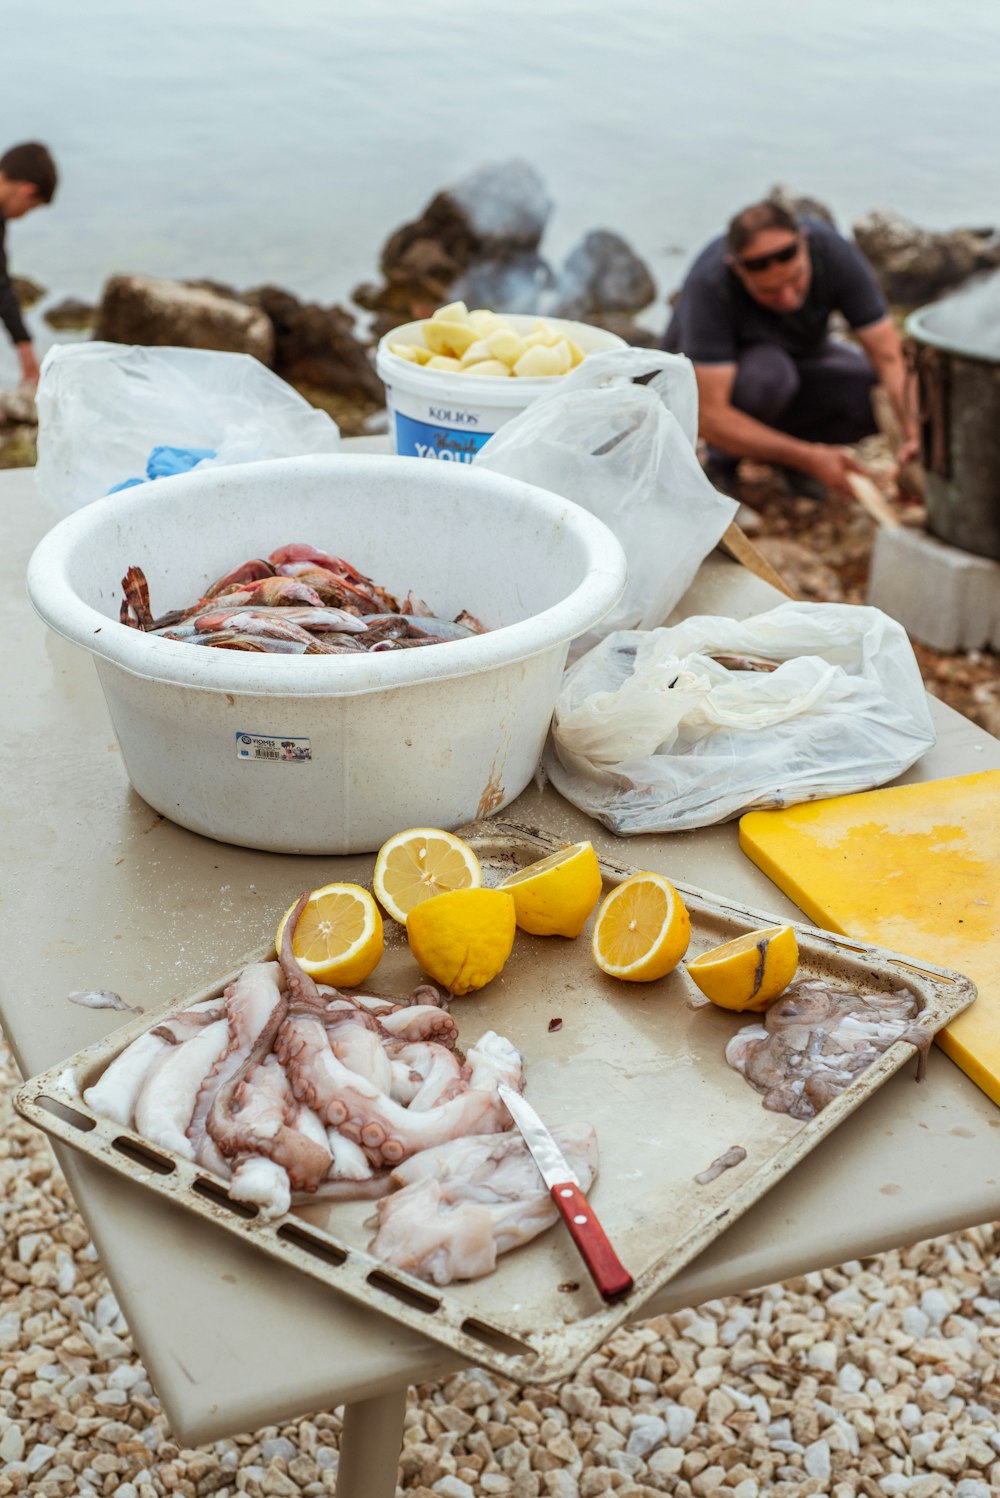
421	439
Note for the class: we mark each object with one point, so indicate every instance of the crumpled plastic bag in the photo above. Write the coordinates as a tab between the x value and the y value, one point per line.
625	452
104	407
651	734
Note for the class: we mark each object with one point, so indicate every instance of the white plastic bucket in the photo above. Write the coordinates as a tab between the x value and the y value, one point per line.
436	414
375	742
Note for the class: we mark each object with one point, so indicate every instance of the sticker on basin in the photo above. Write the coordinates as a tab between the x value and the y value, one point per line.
272	746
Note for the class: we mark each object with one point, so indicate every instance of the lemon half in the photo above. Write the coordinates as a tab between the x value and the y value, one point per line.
554	896
463	939
750	972
642	929
338	938
420	863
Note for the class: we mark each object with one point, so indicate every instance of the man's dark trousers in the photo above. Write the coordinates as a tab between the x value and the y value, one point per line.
819	397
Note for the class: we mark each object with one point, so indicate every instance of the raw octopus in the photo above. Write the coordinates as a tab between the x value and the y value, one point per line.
297	601
293	1091
815	1040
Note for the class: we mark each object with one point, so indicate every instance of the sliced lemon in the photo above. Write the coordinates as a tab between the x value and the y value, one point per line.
338	938
554	896
422	862
642	929
463	939
750	972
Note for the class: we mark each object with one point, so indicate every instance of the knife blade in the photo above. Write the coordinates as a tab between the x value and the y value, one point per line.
606	1269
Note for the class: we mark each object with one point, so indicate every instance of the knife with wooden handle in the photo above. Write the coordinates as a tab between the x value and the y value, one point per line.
606	1269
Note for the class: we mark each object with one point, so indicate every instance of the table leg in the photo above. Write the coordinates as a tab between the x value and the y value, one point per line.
370	1446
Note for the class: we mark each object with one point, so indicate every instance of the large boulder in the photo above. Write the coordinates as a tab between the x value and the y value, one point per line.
521	283
315	346
800	204
496	214
144	310
603	274
916	265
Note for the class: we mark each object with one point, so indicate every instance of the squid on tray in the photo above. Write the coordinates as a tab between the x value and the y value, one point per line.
297	601
296	1092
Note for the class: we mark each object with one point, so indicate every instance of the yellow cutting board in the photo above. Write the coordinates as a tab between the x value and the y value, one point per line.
915	868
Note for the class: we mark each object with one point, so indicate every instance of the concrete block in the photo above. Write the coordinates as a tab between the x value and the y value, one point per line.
943	597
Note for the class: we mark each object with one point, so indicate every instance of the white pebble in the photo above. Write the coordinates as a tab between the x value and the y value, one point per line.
680	1423
816	1460
915	1322
939	1385
746	1489
27	1247
39	1456
935	1305
894	1483
648	1431
125	1377
922	1444
11	1444
453	1487
702	1330
910	1416
971	1487
560	1484
327	1457
738	1321
106	1310
279	1446
823	1355
780	1430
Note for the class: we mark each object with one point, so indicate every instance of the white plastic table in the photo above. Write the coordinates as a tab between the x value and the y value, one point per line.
99	891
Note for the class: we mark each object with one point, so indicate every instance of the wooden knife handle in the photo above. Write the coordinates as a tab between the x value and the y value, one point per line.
606	1269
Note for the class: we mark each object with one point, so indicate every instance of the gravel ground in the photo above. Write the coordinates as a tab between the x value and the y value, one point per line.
881	1377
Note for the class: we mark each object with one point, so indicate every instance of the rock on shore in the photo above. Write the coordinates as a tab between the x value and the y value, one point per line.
145	310
480	241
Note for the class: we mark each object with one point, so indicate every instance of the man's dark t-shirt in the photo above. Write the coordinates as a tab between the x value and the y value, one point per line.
716	317
10	311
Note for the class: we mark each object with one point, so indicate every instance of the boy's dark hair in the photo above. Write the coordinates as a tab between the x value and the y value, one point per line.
31	162
750	221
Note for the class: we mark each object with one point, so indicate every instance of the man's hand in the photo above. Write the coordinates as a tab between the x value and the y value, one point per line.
831	465
29	365
908	451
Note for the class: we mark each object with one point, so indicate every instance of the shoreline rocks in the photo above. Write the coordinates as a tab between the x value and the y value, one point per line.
479	241
150	311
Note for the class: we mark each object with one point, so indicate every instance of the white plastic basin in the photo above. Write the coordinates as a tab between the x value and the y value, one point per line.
433	736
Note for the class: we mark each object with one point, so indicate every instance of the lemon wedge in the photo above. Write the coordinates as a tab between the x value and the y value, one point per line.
338	938
554	896
463	939
642	929
420	863
750	972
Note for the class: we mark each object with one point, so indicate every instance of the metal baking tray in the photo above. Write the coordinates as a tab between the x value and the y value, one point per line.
643	1063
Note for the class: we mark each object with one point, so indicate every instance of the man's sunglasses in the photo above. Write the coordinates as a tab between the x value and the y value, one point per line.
755	263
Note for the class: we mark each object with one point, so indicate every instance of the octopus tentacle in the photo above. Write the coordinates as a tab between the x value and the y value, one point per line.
255	1007
387	1132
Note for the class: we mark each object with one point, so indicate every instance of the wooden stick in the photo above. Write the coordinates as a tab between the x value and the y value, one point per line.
871	498
742	549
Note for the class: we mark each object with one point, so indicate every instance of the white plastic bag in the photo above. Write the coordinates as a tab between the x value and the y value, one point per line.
102	408
651	734
626	452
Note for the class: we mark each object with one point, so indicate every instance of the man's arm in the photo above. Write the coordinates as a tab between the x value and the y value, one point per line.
10	316
880	342
722	425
